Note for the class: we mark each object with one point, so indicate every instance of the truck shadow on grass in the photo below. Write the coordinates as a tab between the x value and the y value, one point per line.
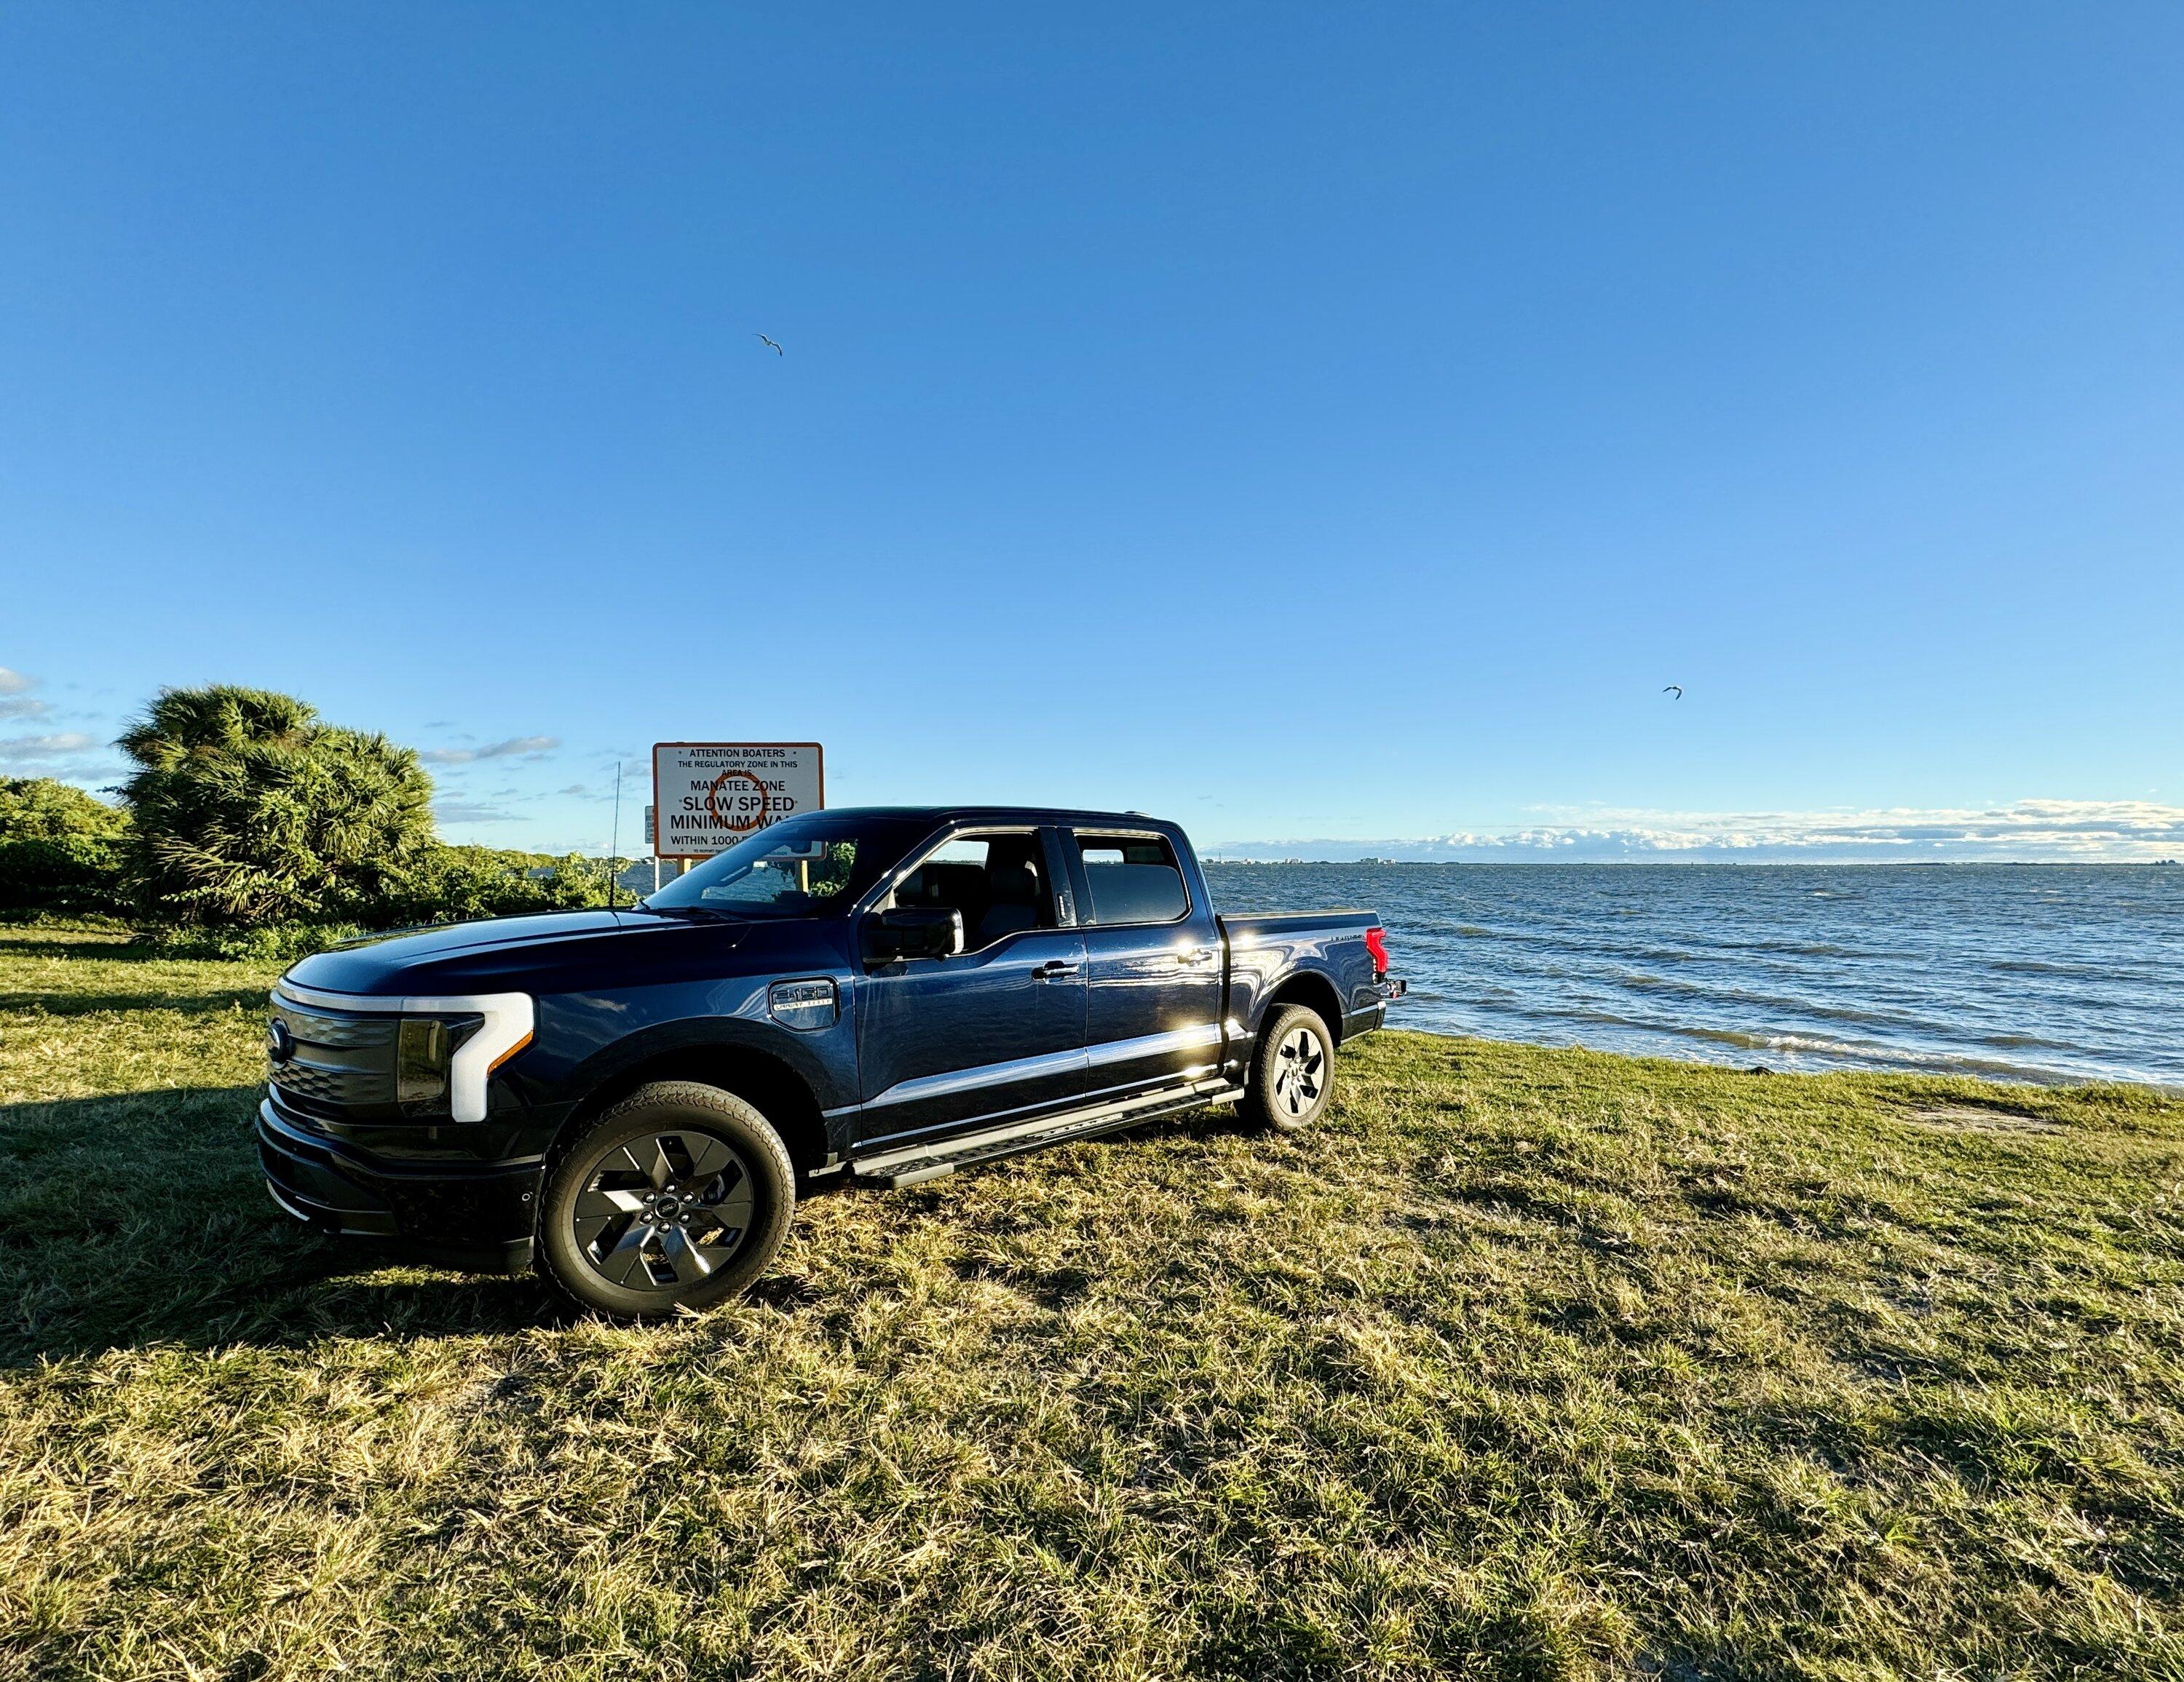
139	1218
84	1004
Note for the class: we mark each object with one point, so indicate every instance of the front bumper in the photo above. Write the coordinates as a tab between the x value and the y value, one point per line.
480	1218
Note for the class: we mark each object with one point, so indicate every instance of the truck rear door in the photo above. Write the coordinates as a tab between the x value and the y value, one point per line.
1153	961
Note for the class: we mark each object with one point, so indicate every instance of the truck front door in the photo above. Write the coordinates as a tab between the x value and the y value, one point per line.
996	1031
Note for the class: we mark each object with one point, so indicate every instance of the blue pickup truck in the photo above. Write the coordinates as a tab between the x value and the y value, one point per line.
630	1100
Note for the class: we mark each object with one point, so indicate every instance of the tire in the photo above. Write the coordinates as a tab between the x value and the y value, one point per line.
677	1197
1292	1071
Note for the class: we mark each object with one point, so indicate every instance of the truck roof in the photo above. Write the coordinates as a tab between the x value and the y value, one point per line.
1071	815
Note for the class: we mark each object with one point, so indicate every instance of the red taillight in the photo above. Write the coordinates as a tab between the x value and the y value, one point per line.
1376	943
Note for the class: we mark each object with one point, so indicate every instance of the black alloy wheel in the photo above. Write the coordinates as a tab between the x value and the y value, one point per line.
664	1211
675	1198
1300	1072
1292	1071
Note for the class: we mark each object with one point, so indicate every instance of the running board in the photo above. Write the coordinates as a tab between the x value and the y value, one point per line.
914	1162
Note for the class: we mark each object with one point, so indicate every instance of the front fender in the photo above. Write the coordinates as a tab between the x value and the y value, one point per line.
585	1040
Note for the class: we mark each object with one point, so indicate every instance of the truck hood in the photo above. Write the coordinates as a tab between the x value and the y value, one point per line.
532	954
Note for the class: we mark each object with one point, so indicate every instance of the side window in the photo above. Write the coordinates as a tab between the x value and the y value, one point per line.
1133	879
998	882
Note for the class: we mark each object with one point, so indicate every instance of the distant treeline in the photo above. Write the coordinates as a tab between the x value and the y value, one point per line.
249	827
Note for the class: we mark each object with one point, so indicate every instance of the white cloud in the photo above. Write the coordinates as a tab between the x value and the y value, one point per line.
15	700
467	811
2056	830
525	747
63	744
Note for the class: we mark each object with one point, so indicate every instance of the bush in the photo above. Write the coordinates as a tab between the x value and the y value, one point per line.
272	943
72	874
248	811
441	885
255	831
39	809
455	884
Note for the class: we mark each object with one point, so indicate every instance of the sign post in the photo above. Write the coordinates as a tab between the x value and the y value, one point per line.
707	796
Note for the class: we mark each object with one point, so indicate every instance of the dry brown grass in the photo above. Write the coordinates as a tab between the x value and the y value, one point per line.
1531	1363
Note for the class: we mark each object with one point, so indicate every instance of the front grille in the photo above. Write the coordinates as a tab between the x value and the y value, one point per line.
343	1066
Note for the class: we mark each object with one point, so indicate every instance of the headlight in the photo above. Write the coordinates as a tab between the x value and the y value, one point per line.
446	1046
482	1031
424	1053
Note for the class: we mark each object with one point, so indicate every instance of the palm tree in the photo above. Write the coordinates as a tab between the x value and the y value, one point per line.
247	809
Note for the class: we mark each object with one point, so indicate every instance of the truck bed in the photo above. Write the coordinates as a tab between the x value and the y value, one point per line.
1322	952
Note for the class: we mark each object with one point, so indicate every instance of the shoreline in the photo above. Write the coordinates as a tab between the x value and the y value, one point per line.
2041	1082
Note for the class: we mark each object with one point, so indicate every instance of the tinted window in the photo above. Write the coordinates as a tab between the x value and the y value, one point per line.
1132	878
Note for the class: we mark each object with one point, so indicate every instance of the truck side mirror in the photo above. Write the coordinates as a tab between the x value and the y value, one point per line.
912	931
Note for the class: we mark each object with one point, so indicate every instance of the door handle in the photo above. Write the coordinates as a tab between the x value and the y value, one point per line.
1204	955
1057	969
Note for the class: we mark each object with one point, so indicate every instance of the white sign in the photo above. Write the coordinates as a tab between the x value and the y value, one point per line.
710	794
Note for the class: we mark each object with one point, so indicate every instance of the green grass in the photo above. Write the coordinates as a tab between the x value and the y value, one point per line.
1529	1363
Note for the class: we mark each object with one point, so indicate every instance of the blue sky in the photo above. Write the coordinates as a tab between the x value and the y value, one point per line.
1309	423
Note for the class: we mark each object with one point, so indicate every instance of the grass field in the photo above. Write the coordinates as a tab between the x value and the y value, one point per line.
1529	1364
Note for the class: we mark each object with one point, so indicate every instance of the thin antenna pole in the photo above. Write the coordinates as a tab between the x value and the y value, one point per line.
614	846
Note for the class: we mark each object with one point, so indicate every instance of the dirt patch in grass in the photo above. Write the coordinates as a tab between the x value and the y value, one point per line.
1983	1118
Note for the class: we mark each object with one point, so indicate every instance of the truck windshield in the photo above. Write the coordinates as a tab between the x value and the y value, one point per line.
800	867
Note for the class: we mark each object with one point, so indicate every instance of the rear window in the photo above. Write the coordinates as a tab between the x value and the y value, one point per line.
1132	878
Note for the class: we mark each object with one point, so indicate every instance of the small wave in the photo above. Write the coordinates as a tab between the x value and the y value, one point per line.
1904	1022
1725	1036
2100	972
1864	1054
1869	1055
1936	1062
2034	967
1798	948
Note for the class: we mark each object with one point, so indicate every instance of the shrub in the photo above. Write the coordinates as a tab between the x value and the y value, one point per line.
271	943
72	874
39	809
248	811
441	885
454	885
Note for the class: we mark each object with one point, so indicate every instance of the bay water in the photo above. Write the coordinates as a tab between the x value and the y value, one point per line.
2038	972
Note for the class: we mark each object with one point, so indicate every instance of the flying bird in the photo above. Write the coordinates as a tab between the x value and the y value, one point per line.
769	344
1677	689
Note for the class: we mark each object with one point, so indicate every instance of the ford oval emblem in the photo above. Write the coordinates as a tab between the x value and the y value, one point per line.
279	1041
